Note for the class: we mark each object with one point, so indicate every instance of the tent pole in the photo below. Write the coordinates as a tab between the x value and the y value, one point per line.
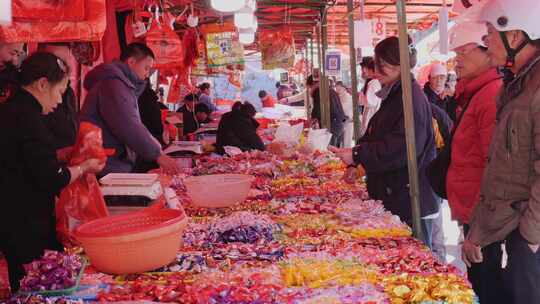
354	75
324	91
307	102
409	118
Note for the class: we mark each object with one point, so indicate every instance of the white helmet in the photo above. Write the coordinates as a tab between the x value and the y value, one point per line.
437	69
509	15
467	32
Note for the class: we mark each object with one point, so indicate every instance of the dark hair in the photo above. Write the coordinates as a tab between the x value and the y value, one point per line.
368	63
236	106
535	43
278	84
248	109
44	45
262	94
191	97
310	80
388	50
202	108
137	50
43	64
204	86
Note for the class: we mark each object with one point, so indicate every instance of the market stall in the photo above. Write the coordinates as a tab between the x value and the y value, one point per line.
302	235
254	227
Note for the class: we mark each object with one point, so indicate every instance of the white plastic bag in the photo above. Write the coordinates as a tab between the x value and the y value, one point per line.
319	139
289	134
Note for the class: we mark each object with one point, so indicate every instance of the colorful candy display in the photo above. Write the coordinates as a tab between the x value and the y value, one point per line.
303	236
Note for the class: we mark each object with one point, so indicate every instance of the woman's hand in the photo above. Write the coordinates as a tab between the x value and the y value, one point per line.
345	155
63	155
93	166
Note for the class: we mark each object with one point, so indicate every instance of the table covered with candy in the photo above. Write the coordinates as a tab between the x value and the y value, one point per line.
302	236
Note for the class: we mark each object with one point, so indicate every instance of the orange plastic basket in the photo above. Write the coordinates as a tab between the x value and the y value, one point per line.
135	242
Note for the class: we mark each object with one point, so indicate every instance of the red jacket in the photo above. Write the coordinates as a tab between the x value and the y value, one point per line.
471	142
268	102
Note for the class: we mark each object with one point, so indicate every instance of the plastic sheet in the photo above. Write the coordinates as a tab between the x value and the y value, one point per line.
43	10
89	29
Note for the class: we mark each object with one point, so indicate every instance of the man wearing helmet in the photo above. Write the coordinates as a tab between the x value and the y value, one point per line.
479	85
509	203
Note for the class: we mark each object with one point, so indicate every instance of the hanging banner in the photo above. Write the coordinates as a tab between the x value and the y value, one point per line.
363	36
378	29
222	45
201	63
5	12
277	49
333	64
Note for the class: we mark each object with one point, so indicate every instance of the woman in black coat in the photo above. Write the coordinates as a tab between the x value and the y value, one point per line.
382	151
32	174
238	128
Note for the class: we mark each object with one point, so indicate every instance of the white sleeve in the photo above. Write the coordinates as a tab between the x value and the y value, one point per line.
373	101
298	97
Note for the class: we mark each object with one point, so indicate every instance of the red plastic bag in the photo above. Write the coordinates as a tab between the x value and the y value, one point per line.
277	49
166	45
82	201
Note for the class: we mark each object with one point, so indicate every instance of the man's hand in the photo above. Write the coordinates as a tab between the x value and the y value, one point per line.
168	164
471	253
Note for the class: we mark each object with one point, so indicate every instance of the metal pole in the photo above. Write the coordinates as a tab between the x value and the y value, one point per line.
312	56
409	118
321	73
307	103
354	76
325	92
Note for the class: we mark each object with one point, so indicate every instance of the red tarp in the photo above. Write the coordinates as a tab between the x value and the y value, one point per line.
54	28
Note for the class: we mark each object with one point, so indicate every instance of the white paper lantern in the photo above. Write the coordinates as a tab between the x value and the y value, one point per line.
244	19
247	37
227	6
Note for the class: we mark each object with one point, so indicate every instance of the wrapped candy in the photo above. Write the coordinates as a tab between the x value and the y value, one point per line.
406	288
54	271
315	273
364	293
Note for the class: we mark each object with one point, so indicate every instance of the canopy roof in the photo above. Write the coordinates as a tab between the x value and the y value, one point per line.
303	15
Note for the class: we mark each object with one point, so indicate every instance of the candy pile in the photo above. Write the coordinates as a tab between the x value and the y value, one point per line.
37	299
302	236
54	271
364	293
451	289
244	227
315	273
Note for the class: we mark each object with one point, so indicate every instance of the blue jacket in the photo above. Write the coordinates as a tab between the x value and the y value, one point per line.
382	151
111	104
208	102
